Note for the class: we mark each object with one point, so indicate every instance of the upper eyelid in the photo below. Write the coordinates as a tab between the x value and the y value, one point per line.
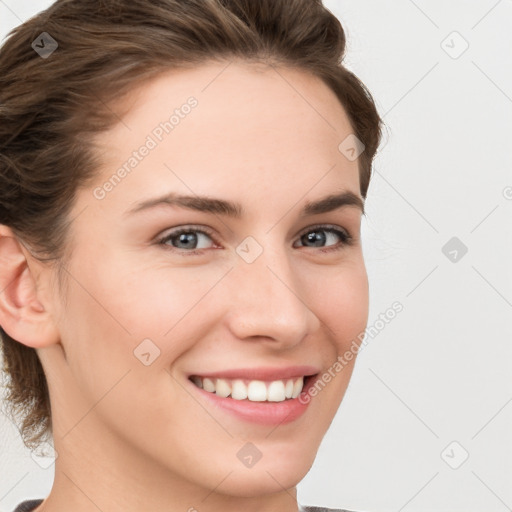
327	227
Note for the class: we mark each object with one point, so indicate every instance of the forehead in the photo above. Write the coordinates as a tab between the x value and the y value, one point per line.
251	128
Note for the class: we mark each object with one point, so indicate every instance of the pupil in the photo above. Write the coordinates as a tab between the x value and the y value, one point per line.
317	237
183	238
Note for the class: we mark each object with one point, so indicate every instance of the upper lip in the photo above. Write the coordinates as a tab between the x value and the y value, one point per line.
261	373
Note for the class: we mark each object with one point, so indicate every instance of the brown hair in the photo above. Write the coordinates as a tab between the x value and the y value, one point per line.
52	105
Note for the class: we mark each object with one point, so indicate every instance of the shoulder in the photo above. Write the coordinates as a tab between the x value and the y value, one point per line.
28	505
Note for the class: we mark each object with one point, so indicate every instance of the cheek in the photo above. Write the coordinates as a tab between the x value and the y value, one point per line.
139	320
340	299
165	303
107	316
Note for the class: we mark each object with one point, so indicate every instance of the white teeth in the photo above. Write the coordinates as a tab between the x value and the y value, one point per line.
288	390
239	390
222	388
254	390
208	385
257	391
297	388
276	391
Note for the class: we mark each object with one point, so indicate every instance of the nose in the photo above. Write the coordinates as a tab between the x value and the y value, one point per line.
268	302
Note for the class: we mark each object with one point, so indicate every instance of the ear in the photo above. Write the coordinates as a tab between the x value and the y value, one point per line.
24	305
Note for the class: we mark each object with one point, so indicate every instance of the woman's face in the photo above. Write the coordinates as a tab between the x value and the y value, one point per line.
274	288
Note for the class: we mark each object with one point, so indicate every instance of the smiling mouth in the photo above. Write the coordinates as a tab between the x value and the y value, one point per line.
253	390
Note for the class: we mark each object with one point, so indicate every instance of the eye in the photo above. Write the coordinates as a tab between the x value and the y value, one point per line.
316	236
187	240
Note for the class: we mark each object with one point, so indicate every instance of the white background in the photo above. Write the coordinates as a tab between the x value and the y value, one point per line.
441	370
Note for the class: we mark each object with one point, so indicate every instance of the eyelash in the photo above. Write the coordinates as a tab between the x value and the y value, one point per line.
346	238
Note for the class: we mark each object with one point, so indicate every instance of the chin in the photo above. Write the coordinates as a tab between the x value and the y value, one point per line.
252	486
265	478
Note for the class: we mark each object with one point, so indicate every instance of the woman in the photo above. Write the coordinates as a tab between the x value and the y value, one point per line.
182	184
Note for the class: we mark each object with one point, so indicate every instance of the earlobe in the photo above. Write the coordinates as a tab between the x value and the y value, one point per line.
23	314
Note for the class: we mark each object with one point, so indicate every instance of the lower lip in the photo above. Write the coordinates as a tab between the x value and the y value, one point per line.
262	413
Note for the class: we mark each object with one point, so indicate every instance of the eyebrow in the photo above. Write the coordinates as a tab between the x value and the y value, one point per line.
235	210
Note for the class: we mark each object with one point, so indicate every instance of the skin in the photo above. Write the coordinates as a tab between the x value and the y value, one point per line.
128	436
